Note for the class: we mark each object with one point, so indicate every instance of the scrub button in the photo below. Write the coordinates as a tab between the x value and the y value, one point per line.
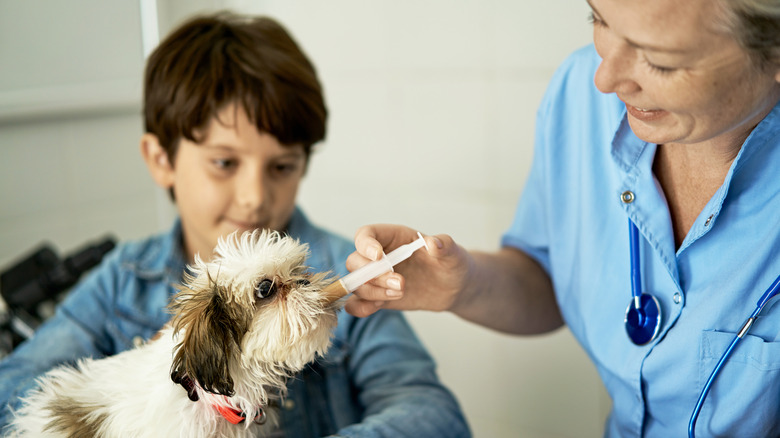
289	404
677	298
627	197
138	341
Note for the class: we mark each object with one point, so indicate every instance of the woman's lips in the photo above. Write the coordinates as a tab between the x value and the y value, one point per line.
644	115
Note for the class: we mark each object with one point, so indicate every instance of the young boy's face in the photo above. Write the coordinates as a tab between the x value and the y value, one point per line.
237	178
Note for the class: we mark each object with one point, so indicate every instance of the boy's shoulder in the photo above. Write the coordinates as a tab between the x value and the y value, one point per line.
149	256
328	250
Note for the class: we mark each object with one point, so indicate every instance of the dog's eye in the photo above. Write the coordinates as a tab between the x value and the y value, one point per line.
266	288
303	282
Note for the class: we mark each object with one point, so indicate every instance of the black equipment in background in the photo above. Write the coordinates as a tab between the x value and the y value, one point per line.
38	280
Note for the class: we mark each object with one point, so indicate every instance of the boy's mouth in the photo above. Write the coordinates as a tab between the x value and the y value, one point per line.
245	225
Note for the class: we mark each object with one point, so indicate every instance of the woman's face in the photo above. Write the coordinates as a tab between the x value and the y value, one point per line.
683	79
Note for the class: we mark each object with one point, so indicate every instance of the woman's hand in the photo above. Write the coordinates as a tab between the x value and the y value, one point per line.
505	290
429	280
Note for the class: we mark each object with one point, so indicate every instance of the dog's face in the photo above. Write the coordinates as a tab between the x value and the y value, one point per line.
252	316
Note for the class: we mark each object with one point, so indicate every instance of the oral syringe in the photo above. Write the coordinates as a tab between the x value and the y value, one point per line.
348	283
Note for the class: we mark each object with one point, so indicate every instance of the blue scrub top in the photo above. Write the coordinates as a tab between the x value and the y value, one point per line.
571	218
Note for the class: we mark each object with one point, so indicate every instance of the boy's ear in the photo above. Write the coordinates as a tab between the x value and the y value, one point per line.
157	161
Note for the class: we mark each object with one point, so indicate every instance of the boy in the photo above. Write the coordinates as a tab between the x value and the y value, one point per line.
232	108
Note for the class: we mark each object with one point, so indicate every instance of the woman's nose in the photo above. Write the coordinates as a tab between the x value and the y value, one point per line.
615	74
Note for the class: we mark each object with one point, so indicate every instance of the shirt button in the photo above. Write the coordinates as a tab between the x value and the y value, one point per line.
627	197
289	404
138	341
677	298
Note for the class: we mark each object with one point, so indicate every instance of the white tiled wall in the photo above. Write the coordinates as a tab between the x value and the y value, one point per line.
432	107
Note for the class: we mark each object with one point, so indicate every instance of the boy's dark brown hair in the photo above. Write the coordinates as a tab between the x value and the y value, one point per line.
216	60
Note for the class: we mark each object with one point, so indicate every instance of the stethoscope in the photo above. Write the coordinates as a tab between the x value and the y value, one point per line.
643	319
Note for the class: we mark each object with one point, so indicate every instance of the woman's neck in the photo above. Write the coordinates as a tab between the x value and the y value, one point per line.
689	176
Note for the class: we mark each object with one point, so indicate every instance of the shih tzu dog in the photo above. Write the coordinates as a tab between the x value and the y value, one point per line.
243	323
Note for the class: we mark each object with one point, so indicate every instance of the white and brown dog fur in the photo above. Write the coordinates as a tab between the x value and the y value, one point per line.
243	323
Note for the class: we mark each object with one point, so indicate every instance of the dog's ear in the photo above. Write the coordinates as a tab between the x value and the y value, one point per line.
212	333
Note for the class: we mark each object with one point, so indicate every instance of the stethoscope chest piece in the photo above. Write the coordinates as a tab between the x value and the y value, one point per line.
643	316
643	321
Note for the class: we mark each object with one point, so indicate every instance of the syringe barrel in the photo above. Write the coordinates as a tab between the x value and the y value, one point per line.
403	252
366	273
372	270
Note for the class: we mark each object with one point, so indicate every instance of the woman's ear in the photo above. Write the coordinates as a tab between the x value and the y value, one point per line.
156	158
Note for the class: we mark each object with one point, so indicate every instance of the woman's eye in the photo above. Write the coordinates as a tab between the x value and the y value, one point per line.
659	69
595	20
265	289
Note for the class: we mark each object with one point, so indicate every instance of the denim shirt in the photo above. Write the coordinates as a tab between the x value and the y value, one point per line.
574	221
376	380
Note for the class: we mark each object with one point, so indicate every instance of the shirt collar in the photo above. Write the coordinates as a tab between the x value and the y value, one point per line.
634	157
628	150
164	256
299	226
762	135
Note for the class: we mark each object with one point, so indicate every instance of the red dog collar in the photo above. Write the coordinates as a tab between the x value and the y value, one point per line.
237	417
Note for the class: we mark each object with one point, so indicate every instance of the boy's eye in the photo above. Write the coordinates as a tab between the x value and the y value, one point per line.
285	169
224	163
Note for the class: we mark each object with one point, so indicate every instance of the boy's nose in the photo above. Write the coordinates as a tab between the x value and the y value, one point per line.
251	192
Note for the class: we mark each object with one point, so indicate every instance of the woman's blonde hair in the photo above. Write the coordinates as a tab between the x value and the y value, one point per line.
756	26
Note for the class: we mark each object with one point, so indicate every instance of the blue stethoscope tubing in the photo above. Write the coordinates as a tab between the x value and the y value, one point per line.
771	292
643	318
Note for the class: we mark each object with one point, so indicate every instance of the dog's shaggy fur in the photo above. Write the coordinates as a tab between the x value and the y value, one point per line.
243	323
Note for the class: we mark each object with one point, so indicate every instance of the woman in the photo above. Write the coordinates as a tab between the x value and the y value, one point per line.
668	124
